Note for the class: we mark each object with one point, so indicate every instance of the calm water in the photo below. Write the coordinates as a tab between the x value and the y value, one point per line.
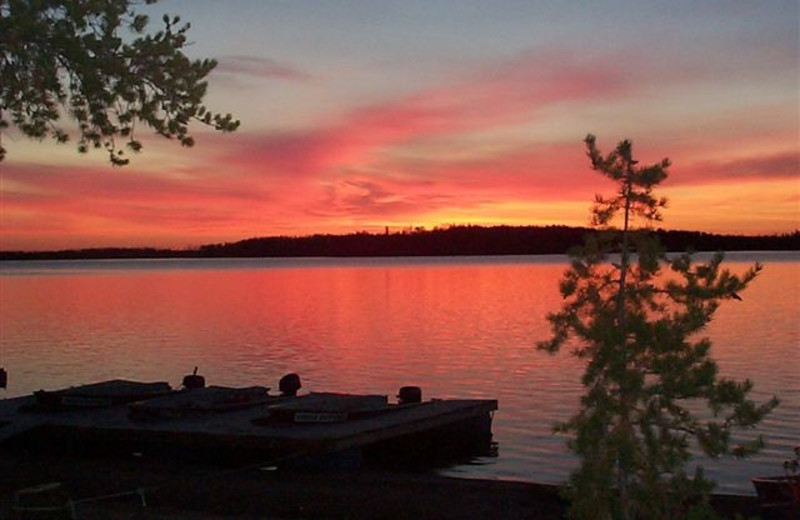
454	326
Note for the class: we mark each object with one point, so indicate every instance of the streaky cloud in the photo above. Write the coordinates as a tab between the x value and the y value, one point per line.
493	96
762	167
261	68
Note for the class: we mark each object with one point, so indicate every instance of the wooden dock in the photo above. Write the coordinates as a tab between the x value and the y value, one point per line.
345	432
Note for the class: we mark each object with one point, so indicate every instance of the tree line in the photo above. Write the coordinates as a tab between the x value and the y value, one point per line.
450	241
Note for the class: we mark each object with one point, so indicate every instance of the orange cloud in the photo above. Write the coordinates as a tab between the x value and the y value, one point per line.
750	207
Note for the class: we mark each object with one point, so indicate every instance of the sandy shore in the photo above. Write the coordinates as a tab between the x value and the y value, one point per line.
178	490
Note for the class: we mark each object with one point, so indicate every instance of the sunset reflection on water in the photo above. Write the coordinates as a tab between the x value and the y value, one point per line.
457	327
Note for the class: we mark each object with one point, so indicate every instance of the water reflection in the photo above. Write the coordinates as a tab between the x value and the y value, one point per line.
455	327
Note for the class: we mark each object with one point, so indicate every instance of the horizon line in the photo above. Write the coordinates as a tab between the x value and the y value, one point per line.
410	230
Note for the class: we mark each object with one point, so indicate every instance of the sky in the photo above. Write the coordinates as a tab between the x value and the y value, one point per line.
358	115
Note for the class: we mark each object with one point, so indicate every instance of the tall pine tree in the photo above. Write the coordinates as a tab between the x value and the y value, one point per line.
635	316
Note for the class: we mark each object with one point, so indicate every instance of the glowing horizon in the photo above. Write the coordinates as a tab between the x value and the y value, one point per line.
411	114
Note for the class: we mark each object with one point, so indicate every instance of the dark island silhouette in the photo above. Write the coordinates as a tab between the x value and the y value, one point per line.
465	240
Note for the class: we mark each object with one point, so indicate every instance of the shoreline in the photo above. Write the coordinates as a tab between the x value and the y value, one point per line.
172	489
457	240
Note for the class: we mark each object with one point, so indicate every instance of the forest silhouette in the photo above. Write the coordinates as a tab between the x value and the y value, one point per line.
449	241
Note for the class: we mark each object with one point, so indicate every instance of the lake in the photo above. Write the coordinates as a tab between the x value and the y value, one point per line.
455	326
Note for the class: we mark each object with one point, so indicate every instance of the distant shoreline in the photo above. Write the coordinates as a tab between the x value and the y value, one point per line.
451	241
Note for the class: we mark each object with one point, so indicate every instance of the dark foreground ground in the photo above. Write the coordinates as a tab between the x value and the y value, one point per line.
174	490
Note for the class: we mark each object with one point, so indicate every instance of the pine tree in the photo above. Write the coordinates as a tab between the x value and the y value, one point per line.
634	315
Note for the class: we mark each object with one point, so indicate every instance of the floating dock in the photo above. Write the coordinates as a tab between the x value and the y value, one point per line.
248	424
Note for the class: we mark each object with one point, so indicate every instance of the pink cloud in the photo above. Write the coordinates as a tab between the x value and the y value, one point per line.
80	199
495	96
374	163
100	185
200	207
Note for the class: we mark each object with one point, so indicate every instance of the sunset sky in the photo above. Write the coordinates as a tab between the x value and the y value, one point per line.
362	114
